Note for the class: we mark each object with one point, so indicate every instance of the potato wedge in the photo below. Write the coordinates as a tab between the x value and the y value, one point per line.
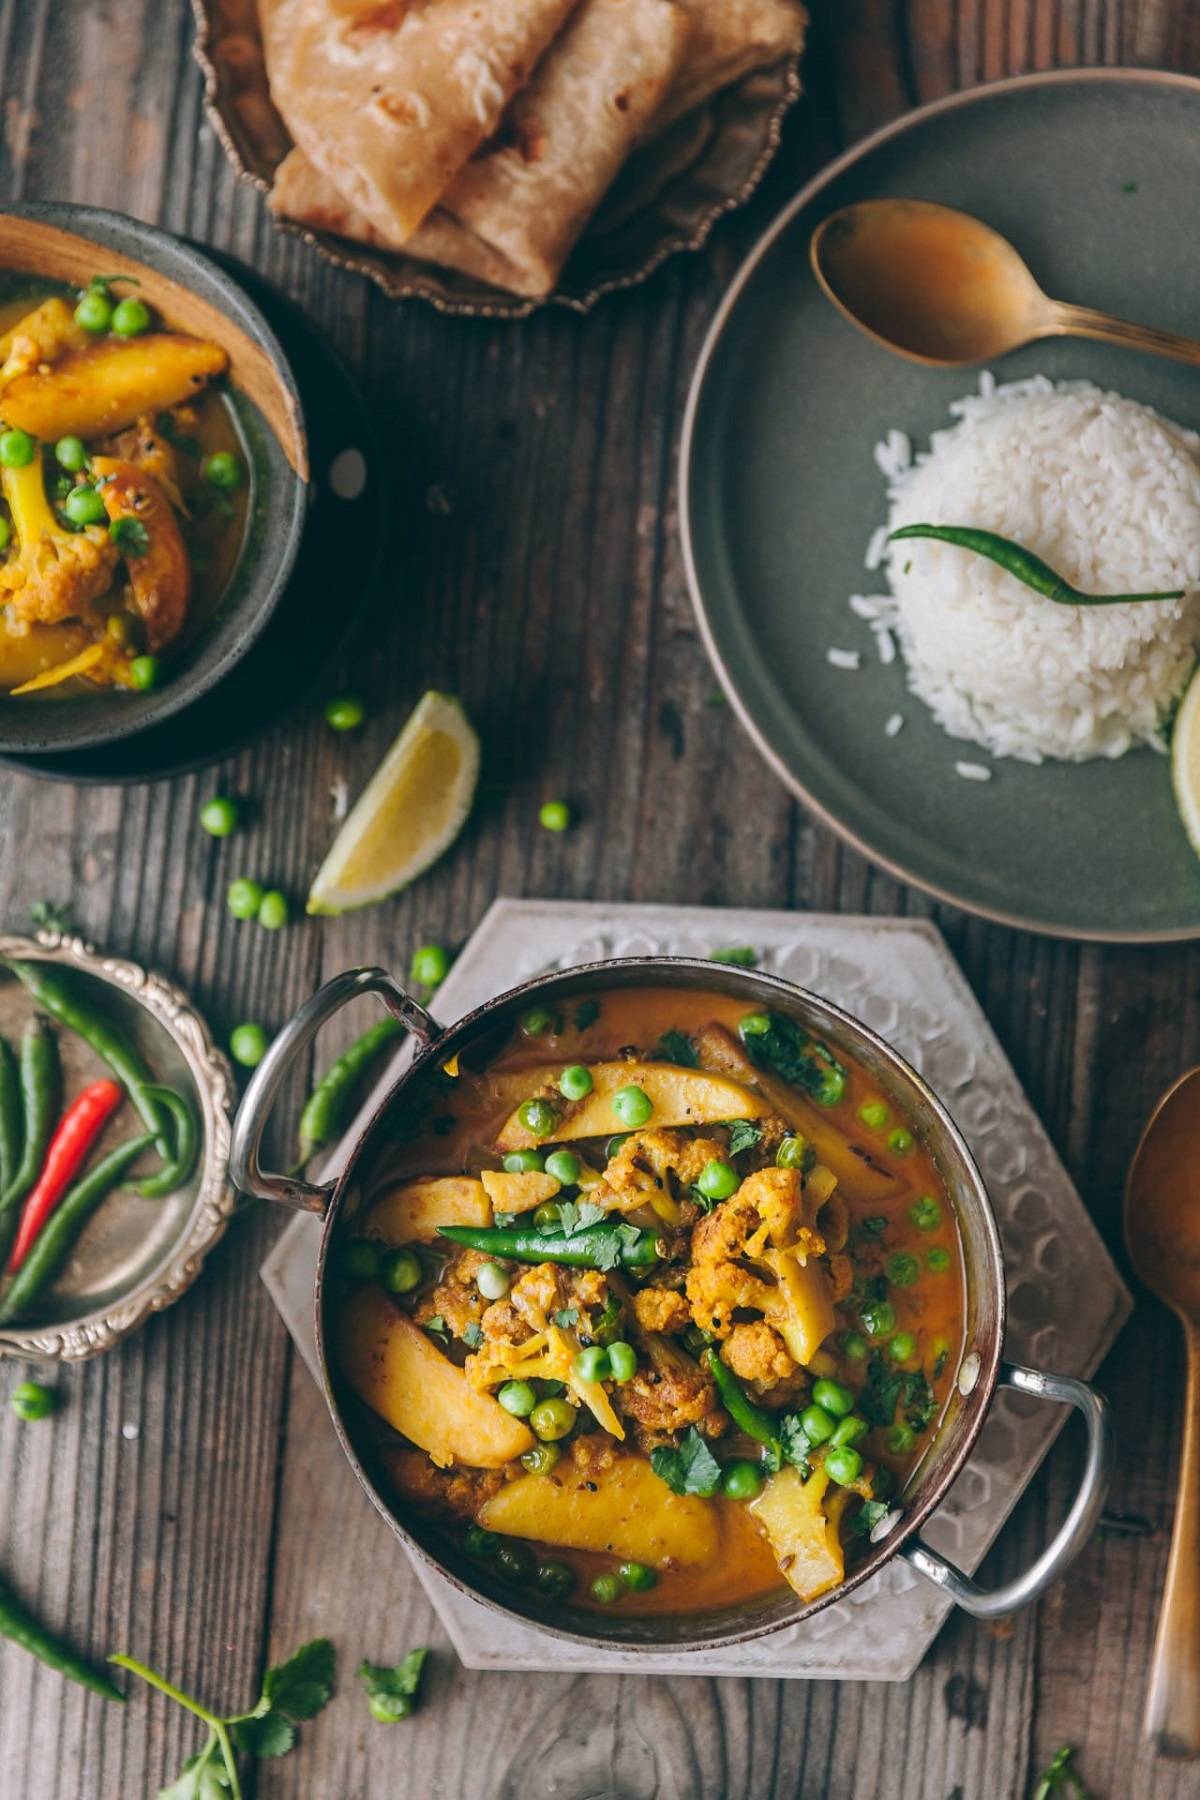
631	1513
413	1214
400	1373
518	1193
103	388
805	1541
678	1096
42	336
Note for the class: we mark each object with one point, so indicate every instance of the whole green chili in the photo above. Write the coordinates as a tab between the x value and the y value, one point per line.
753	1420
325	1107
110	1044
20	1626
596	1247
53	1243
10	1114
176	1168
41	1088
1023	564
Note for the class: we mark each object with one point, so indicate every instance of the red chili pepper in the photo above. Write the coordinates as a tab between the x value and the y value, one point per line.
66	1152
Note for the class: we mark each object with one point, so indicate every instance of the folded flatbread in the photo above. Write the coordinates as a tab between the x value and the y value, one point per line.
513	213
729	38
389	99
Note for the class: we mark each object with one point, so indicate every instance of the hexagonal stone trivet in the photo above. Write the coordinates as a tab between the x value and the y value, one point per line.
898	977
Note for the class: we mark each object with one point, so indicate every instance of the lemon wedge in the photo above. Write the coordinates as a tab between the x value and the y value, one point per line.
411	810
1185	761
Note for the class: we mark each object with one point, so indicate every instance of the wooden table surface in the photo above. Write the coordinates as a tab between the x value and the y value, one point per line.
536	572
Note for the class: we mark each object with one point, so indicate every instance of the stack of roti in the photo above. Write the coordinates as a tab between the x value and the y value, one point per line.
482	134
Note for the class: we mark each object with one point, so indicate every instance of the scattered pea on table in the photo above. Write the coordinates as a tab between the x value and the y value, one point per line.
31	1401
344	713
248	1044
555	815
219	816
430	966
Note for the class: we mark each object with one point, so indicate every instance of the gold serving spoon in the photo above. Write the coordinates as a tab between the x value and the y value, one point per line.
941	288
1162	1233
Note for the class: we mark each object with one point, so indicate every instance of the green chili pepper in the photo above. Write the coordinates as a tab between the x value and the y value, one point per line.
1023	564
326	1105
23	1629
176	1168
10	1115
41	1088
53	1243
111	1046
752	1419
597	1247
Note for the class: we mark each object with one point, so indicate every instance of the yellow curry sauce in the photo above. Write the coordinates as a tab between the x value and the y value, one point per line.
850	1290
151	421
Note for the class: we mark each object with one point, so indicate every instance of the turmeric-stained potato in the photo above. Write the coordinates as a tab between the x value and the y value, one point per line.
805	1542
42	336
629	1513
678	1097
103	388
518	1193
414	1213
398	1370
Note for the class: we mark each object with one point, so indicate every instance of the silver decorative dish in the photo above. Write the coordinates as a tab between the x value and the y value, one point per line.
135	1256
667	199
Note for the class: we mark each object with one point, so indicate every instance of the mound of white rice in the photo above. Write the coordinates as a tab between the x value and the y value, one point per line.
1108	493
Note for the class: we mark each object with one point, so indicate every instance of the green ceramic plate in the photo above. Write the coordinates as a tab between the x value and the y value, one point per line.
1094	176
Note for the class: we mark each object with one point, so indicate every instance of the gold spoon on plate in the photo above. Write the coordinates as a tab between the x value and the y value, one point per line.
1162	1234
941	288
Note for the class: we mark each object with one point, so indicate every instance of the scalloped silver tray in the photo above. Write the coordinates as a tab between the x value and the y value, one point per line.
667	199
135	1256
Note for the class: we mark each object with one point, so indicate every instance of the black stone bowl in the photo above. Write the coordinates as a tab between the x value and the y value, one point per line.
47	246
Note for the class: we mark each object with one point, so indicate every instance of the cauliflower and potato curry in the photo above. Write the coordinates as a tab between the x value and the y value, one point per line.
122	491
657	1306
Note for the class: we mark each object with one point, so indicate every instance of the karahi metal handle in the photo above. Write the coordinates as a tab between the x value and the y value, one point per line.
1075	1529
246	1171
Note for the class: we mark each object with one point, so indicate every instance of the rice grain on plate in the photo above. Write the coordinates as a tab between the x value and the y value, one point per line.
1104	489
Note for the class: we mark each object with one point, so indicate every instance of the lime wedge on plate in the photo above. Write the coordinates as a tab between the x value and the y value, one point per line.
411	810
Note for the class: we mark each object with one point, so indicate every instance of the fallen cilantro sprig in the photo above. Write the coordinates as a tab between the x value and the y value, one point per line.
1059	1778
391	1692
292	1691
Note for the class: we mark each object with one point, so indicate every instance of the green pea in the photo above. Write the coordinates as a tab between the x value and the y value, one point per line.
554	1579
592	1364
517	1398
903	1347
219	816
17	448
900	1140
359	1260
925	1213
606	1589
901	1438
835	1398
741	1480
817	1424
492	1281
144	672
832	1090
401	1271
848	1431
344	713
874	1114
565	1167
555	815
717	1180
755	1025
622	1362
430	966
31	1401
639	1577
130	318
386	1709
552	1419
222	470
547	1216
795	1153
480	1542
524	1162
613	1145
541	1459
243	898
902	1268
854	1345
538	1116
539	1021
575	1082
632	1106
937	1260
843	1466
5	533
95	310
273	910
877	1318
514	1563
70	453
84	506
248	1044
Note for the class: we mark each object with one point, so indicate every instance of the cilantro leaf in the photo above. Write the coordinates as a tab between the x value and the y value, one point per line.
743	1136
50	915
130	536
796	1444
692	1469
392	1691
472	1334
586	1014
677	1047
566	1317
796	1058
867	1517
503	1220
606	1249
741	956
263	1734
1059	1778
301	1686
578	1215
199	1779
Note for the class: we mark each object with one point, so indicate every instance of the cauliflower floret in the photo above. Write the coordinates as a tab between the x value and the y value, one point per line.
456	1299
649	1166
758	1354
661	1309
752	1253
440	1491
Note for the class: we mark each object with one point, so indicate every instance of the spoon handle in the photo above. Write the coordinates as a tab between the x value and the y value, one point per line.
1173	1699
1080	321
